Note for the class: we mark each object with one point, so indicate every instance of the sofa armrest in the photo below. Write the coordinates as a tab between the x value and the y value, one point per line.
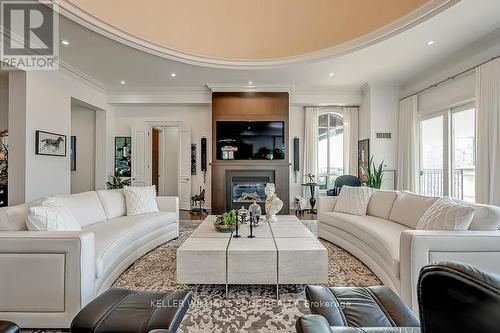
312	323
419	248
45	273
169	204
326	204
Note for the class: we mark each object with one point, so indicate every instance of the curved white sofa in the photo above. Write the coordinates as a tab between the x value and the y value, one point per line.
47	277
386	241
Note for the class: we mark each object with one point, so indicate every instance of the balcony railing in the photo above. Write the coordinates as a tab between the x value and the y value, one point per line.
432	184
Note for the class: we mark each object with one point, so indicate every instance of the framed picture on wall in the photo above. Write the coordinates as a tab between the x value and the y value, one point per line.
72	152
123	156
50	144
363	156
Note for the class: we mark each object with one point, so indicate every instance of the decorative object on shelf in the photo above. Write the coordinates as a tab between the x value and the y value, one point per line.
117	181
363	156
50	144
255	212
312	199
72	152
372	175
193	159
123	156
273	203
198	199
227	222
243	215
310	178
299	204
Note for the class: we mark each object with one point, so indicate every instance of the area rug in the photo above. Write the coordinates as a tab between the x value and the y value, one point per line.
249	308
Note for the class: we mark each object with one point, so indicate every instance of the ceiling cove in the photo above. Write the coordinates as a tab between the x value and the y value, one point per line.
299	49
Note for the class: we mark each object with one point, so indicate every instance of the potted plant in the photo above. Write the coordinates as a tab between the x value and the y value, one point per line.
227	221
116	182
373	175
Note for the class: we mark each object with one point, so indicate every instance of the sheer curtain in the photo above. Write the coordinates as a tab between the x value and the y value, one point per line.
310	146
350	140
407	178
488	133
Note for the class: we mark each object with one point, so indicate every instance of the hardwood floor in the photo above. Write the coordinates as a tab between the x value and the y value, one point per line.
185	215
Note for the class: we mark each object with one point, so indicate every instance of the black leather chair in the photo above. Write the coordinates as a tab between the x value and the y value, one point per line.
340	181
453	298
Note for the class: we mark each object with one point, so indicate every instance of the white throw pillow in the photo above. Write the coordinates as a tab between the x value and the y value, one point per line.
51	216
446	214
353	200
140	200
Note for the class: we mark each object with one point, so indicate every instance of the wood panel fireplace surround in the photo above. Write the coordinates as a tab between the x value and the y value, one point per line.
235	182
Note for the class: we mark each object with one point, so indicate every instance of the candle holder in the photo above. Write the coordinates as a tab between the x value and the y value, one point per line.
237	235
251	227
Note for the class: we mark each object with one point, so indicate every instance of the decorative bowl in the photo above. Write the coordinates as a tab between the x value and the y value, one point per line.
224	228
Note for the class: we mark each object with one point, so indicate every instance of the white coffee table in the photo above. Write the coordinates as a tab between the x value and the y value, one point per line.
282	252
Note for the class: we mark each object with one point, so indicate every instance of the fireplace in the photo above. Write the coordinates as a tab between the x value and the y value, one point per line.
243	187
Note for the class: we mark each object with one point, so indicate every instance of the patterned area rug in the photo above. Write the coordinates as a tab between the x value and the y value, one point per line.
249	308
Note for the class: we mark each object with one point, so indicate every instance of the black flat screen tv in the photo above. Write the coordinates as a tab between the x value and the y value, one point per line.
250	140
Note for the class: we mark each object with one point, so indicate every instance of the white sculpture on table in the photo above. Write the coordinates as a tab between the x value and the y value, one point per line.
273	203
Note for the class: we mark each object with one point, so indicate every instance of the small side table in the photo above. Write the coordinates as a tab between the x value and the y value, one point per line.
312	200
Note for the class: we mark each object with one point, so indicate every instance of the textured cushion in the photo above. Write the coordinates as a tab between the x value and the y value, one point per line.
140	200
51	216
446	214
409	207
86	207
112	237
486	217
353	200
382	236
380	204
113	202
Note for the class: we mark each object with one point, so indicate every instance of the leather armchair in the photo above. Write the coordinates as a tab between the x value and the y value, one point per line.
455	298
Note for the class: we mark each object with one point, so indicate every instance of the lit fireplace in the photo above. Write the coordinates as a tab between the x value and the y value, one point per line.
243	187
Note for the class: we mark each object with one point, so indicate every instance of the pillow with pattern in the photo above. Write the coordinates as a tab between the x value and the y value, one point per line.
140	200
353	200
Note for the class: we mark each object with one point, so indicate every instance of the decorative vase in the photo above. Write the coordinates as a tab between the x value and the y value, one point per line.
273	203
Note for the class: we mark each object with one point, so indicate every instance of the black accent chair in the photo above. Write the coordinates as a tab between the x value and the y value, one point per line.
340	181
453	298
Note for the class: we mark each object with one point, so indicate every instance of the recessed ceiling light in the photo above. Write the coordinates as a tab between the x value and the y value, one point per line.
123	82
331	74
172	74
430	42
250	82
64	42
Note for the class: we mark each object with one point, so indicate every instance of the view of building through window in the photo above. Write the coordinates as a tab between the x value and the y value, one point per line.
330	148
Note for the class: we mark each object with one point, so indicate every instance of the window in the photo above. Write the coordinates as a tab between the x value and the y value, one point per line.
448	153
330	148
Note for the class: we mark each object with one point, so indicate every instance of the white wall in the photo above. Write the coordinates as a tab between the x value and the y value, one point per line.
47	96
296	130
83	126
197	117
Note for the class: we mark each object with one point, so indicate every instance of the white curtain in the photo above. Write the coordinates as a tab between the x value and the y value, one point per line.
310	147
350	140
488	133
407	178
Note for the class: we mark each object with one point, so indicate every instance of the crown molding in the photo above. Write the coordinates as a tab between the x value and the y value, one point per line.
425	12
213	87
81	76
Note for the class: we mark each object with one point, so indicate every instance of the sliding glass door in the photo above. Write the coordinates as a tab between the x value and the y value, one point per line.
448	153
431	157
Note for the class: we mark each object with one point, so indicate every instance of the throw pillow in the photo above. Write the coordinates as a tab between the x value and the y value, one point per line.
140	200
446	214
51	216
353	200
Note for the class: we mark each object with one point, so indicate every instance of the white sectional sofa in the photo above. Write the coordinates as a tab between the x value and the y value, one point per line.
47	277
385	238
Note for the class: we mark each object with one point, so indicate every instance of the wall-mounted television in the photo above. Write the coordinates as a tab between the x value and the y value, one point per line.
250	140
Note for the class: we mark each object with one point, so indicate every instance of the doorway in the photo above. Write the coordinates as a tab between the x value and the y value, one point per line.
165	160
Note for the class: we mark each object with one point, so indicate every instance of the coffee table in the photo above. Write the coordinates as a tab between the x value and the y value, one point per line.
282	252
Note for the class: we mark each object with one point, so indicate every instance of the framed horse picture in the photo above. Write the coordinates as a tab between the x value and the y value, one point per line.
50	144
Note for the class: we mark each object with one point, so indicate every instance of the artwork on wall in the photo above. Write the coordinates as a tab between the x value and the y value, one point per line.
193	159
123	156
50	144
363	156
72	152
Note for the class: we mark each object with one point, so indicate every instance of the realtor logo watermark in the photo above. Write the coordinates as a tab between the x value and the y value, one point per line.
30	35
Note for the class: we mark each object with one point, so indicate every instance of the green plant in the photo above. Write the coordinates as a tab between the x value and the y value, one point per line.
228	218
117	181
373	175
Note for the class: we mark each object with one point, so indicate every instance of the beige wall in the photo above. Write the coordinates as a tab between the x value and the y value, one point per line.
83	126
